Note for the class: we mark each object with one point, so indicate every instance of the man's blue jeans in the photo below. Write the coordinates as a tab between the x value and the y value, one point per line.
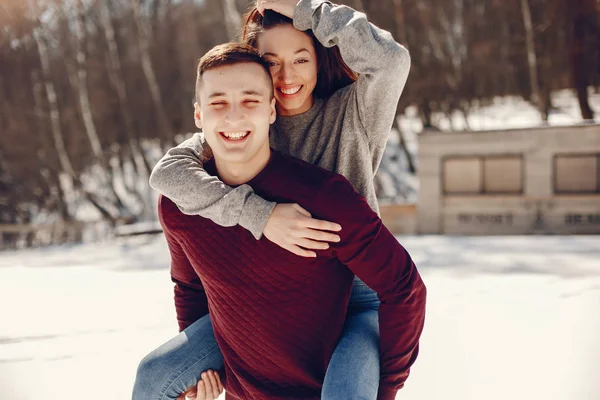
353	372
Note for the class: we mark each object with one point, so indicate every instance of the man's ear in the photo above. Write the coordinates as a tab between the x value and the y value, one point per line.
273	113
197	115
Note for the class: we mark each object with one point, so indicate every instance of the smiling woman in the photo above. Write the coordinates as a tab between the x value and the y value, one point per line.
293	64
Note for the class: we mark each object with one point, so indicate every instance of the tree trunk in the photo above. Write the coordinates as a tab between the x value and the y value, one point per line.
57	136
232	18
400	22
86	111
82	89
115	74
531	57
65	166
578	63
166	133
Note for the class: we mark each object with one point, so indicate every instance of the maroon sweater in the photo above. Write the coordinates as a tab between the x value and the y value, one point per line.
277	317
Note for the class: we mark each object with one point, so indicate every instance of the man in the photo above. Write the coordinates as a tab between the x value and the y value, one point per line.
276	316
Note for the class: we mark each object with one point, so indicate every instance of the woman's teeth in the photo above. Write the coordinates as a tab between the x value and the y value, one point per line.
235	135
289	91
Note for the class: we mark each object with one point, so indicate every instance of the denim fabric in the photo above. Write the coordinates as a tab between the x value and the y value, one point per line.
353	371
176	365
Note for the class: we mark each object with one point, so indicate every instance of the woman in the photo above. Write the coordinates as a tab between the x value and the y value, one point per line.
337	80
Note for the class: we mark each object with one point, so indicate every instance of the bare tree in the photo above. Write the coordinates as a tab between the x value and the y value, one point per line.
581	13
166	133
531	56
115	73
232	18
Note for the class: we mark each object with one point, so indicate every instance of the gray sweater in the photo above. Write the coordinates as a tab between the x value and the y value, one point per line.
346	133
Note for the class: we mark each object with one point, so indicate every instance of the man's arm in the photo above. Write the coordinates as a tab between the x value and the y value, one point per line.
191	302
376	257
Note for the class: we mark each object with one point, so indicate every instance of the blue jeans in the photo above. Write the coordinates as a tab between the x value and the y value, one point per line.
353	372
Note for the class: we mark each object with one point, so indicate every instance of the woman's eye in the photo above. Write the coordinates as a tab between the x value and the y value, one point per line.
218	103
271	63
250	102
302	61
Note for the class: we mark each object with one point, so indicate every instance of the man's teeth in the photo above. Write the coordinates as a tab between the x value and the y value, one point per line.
235	135
293	90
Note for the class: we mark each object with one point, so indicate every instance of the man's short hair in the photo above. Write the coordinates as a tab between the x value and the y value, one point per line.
229	54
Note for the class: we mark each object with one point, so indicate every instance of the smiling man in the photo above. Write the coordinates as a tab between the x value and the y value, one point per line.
277	317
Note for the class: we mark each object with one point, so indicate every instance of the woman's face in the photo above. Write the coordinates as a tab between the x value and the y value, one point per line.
293	62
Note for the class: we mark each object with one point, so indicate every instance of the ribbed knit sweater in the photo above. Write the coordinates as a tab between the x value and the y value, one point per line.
277	317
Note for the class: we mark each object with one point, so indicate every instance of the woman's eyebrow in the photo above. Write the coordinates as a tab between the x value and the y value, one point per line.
296	52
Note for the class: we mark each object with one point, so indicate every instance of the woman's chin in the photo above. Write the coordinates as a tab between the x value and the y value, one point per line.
290	107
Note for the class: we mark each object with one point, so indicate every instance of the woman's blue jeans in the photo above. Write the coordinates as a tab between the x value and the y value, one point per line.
353	372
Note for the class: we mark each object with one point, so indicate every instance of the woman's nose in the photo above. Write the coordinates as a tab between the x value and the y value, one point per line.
287	73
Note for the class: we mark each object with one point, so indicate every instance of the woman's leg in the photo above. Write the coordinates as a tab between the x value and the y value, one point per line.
353	371
176	365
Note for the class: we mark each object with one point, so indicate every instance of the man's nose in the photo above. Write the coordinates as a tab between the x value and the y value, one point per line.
234	114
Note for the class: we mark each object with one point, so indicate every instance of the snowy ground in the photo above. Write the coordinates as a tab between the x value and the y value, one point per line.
508	318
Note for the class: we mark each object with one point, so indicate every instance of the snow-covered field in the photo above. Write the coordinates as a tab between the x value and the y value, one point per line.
508	318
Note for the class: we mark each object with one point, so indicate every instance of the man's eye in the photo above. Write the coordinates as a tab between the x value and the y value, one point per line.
251	102
218	103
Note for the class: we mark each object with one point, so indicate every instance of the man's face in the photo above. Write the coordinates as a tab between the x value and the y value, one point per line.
235	111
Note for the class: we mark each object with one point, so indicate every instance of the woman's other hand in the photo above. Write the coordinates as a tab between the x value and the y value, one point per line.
283	7
293	228
209	387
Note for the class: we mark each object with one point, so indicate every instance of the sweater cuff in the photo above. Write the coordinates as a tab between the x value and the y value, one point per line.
255	214
303	15
386	393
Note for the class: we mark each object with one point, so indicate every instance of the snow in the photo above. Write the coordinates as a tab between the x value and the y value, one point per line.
508	318
396	185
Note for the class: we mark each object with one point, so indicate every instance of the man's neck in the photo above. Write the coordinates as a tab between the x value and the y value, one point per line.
235	174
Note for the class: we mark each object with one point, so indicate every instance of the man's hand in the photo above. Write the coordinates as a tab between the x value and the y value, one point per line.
293	228
283	7
209	387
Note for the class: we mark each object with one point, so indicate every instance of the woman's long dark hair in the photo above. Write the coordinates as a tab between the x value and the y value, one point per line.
332	72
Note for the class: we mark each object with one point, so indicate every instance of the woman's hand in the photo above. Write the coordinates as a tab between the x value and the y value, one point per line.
283	7
209	388
293	228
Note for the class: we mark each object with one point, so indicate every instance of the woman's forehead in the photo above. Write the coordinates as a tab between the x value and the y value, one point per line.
283	40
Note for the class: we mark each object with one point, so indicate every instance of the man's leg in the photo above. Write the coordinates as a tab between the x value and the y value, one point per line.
353	371
169	370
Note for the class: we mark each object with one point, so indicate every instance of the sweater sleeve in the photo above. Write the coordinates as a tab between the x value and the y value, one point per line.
180	176
382	63
375	256
191	302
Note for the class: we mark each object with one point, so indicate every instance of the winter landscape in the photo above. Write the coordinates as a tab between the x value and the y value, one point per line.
93	93
507	318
